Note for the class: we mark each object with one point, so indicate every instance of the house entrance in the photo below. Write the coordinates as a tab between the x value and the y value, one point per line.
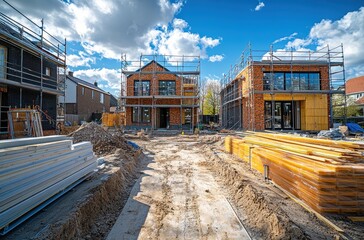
164	118
282	115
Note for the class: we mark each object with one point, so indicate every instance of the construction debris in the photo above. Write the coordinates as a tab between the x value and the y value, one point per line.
103	141
325	174
334	134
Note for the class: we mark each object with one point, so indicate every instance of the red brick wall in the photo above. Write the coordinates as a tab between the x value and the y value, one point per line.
86	105
175	113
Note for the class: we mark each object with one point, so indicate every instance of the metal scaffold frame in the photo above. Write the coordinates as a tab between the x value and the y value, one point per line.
186	68
34	39
232	90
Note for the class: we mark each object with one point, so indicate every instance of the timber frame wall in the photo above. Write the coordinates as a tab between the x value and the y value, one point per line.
30	72
243	92
184	70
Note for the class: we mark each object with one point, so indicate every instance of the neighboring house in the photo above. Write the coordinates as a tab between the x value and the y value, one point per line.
114	105
159	98
29	71
82	99
290	91
354	89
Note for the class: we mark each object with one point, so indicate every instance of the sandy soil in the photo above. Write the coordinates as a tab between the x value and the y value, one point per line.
177	198
186	187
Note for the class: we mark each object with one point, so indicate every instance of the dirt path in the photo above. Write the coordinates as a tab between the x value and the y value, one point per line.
177	198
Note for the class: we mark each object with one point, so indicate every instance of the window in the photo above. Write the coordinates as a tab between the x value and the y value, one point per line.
291	81
141	115
304	81
295	81
2	61
83	91
47	71
267	79
278	81
167	87
314	81
92	94
101	98
142	88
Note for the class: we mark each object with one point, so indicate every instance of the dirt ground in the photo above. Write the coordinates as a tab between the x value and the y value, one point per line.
180	187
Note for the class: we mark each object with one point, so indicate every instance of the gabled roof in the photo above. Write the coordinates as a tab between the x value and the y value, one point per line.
150	63
354	85
86	84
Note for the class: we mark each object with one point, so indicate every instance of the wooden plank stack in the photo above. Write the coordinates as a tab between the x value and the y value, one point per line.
327	175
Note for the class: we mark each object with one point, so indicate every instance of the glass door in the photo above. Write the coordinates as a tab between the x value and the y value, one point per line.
278	115
287	115
268	115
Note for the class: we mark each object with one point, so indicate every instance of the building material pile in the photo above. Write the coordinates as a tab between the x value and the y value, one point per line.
103	141
35	170
113	119
327	175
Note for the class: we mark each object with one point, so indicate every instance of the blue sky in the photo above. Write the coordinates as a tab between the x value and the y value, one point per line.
98	32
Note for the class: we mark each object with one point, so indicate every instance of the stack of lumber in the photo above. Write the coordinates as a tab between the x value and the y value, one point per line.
33	170
327	175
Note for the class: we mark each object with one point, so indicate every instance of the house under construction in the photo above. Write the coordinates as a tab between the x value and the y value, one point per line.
31	60
280	89
161	92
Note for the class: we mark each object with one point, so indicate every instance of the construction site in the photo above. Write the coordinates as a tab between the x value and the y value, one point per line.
281	164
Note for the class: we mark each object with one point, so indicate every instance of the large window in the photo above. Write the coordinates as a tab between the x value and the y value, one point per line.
291	81
141	115
142	88
167	87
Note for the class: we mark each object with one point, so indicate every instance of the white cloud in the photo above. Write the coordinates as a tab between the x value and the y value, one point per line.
179	23
177	41
285	38
349	31
80	60
113	27
259	6
111	76
216	58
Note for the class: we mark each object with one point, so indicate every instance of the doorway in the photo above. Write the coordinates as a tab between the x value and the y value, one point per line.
164	118
286	115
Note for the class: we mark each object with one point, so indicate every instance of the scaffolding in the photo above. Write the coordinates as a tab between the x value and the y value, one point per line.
184	95
32	40
255	77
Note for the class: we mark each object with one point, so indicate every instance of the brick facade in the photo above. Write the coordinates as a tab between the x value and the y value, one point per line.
86	104
155	99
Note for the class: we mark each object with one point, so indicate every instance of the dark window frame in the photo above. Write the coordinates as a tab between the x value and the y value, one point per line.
293	85
167	90
145	91
143	119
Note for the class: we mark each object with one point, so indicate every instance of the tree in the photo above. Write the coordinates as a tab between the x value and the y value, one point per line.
352	109
211	97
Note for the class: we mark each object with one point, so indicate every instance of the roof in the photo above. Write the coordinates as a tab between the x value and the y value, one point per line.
86	84
150	63
354	85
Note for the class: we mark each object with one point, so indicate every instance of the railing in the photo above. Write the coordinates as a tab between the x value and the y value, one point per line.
21	74
33	35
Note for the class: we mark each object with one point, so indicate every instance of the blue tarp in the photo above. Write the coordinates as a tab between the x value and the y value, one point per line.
354	128
133	144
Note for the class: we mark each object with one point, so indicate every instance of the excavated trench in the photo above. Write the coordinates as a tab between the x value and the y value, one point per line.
263	218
